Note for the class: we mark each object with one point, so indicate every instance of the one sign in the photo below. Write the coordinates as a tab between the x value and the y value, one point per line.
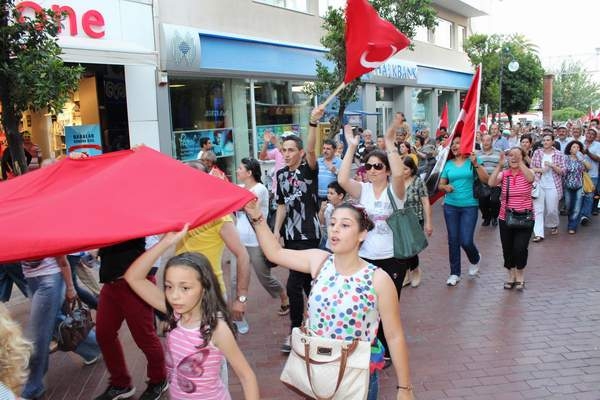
187	143
83	139
277	130
397	70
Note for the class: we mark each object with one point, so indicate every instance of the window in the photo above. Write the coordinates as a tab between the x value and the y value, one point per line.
443	33
461	35
421	107
296	5
325	4
422	34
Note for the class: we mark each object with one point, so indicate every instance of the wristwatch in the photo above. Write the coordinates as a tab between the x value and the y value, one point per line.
242	299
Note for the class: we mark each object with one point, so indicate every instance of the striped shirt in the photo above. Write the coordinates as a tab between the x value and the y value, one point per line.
489	160
43	267
519	194
194	373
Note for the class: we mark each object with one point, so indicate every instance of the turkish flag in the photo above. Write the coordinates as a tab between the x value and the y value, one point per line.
94	202
370	40
443	120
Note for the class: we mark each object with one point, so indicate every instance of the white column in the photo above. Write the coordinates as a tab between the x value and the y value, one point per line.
142	114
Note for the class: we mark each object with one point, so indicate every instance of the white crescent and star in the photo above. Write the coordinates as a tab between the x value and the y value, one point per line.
374	64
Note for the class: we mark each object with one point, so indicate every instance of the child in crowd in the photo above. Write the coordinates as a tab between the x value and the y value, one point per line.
335	197
201	329
14	356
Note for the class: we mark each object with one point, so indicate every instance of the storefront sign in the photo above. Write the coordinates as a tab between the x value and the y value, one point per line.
397	70
91	21
84	139
187	143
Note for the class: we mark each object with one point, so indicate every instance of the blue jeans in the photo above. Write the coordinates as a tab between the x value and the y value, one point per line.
87	297
460	223
588	201
373	386
9	274
47	294
573	204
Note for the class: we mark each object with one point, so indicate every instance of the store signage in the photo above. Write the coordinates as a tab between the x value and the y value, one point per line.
83	139
91	21
395	69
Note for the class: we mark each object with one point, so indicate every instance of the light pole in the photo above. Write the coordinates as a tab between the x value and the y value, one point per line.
513	66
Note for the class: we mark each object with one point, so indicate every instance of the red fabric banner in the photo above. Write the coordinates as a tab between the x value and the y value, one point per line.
443	123
98	201
467	119
370	40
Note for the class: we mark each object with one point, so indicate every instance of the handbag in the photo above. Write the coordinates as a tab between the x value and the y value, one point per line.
480	189
75	327
535	190
588	184
409	238
326	369
517	219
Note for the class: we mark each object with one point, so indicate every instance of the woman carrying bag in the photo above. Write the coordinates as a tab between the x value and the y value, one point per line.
515	199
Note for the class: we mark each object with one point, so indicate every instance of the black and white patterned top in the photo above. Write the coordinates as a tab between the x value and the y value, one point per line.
297	190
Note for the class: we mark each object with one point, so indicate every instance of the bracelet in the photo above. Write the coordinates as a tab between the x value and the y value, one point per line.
408	388
257	219
313	124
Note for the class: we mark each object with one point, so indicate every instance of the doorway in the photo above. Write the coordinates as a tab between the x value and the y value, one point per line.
385	110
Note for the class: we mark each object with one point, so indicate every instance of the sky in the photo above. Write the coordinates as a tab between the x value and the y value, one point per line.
561	29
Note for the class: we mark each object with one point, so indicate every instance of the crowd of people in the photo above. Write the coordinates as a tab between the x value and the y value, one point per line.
324	219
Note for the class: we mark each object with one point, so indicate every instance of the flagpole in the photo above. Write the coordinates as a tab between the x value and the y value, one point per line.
335	92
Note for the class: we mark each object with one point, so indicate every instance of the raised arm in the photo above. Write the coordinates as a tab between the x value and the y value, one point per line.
137	272
307	261
493	180
311	141
396	165
344	179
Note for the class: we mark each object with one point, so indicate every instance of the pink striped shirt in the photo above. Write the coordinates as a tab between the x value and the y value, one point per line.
519	195
194	373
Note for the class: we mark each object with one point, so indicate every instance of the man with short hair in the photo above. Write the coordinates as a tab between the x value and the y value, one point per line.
329	165
209	159
297	211
562	138
205	145
591	151
489	205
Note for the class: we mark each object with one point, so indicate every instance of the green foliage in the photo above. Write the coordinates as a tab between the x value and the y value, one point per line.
406	15
519	88
32	73
566	114
573	87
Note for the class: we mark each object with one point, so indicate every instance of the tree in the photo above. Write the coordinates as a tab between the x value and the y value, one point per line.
573	87
32	74
406	15
566	114
519	88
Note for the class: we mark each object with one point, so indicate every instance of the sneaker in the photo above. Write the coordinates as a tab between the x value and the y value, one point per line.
416	278
91	361
154	391
242	326
453	280
284	309
286	347
116	393
585	221
474	268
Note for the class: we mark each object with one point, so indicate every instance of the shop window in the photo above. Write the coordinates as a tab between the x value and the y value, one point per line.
296	5
202	108
422	34
443	33
325	4
421	107
461	35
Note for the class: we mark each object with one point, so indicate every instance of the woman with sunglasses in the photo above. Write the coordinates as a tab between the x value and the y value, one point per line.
382	172
461	208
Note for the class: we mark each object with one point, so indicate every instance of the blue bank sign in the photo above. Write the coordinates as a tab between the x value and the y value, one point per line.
396	70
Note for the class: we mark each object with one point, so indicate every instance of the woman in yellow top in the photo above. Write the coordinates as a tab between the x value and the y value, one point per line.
406	151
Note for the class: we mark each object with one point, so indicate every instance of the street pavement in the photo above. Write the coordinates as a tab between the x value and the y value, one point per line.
474	341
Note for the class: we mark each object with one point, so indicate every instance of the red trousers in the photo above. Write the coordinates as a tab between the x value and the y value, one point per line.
117	303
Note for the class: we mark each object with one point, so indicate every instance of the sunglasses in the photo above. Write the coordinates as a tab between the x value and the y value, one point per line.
377	166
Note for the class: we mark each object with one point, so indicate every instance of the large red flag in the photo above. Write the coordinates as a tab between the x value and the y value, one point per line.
443	123
89	203
370	40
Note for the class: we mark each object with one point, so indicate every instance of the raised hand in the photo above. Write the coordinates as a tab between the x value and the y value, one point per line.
175	237
317	113
252	209
349	135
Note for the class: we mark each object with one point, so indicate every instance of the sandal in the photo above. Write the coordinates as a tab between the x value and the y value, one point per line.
509	285
554	231
284	309
537	239
520	285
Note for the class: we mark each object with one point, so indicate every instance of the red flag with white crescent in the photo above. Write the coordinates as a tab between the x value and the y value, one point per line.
370	40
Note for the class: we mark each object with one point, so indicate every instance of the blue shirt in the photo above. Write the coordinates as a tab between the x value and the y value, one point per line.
501	144
326	176
461	178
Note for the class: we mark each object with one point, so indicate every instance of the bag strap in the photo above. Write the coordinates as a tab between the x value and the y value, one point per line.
507	189
346	351
391	196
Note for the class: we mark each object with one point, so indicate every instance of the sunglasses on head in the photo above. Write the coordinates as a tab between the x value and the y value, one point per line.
377	166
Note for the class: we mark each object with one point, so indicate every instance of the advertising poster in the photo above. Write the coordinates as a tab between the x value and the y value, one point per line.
84	139
277	130
187	143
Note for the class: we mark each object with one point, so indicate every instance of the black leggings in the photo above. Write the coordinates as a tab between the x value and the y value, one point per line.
396	269
515	244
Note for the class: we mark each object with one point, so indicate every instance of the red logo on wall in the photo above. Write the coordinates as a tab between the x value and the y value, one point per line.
92	21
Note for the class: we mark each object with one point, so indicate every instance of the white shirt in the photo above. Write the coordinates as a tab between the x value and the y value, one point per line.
547	180
379	243
247	234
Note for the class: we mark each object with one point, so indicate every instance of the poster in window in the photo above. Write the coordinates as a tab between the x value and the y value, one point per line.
187	143
83	139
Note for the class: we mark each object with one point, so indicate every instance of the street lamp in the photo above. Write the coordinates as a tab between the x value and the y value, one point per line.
513	66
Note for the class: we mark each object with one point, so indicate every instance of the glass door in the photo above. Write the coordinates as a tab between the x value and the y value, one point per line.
385	110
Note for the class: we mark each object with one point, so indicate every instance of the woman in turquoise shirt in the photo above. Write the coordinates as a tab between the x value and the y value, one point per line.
460	208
